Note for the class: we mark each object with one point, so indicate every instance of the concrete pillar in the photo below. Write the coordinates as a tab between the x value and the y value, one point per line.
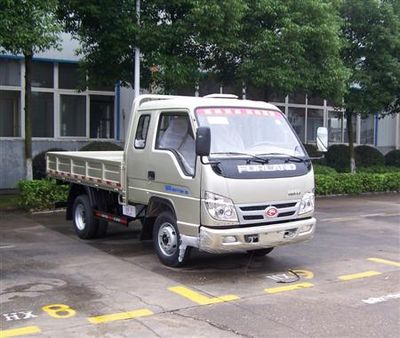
56	102
397	132
22	107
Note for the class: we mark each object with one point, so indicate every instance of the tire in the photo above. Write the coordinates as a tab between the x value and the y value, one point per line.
166	240
260	252
85	224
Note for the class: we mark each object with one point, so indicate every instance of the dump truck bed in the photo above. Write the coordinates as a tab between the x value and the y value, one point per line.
102	169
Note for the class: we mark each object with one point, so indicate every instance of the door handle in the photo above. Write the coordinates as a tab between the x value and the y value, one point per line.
151	175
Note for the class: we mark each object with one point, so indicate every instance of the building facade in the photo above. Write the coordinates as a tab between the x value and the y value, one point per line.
66	118
62	116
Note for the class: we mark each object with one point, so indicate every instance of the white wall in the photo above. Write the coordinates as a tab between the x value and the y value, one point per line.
127	96
67	52
387	131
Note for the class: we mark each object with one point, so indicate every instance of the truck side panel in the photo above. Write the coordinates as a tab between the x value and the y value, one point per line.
103	170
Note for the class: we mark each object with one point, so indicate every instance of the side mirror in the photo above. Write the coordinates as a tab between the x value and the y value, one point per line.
322	139
203	141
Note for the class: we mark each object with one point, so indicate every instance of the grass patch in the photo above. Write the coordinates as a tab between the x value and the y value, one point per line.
9	202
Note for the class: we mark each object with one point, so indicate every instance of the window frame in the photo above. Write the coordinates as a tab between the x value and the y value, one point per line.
86	116
176	154
144	115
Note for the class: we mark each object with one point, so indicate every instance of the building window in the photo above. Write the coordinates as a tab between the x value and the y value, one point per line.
73	115
42	114
42	74
10	73
315	100
298	98
315	119
9	113
335	125
68	76
105	87
367	130
101	116
296	117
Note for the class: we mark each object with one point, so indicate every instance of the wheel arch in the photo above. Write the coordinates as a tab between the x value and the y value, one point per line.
78	189
156	206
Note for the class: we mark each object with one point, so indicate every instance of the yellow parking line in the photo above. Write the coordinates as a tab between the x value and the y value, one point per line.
384	261
289	287
359	275
19	332
199	298
120	316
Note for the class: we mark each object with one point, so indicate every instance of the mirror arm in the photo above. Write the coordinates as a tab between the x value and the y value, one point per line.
317	157
209	162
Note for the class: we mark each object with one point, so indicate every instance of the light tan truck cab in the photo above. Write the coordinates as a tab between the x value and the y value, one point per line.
215	173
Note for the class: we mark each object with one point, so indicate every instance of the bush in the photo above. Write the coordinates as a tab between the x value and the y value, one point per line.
337	157
379	169
323	170
356	183
39	164
393	158
100	146
41	194
367	156
312	150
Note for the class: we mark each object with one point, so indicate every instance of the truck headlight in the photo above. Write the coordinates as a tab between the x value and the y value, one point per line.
307	203
219	207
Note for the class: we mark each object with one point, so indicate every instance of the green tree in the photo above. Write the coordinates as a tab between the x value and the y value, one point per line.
28	27
176	36
372	53
290	46
282	46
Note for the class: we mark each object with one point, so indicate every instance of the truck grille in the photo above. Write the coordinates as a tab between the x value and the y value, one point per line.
255	213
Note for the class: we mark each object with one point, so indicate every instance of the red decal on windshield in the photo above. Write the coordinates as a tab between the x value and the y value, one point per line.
238	111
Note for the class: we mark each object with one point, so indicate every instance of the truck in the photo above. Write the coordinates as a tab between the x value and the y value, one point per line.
214	173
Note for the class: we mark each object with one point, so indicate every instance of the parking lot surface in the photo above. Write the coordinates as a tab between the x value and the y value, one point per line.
343	283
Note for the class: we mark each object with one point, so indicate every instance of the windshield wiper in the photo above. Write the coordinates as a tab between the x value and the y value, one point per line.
252	157
290	158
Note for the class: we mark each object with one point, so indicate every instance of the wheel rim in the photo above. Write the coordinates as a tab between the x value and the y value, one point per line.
167	239
80	217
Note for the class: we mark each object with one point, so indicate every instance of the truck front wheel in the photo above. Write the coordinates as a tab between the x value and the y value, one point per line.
166	240
85	224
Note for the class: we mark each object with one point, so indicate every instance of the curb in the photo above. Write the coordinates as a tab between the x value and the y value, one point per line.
360	194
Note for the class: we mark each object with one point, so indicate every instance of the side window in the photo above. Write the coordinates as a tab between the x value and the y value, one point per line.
141	131
175	133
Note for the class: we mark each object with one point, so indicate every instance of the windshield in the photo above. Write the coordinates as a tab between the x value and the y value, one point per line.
251	131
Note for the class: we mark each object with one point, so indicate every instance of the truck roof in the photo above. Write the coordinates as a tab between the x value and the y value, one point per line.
191	102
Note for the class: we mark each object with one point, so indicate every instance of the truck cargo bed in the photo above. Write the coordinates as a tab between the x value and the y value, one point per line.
102	169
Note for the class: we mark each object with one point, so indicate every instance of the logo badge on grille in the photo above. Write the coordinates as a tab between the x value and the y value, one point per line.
271	212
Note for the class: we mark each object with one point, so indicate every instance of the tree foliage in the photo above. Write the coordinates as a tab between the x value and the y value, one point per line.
292	45
371	29
28	26
372	53
176	36
280	45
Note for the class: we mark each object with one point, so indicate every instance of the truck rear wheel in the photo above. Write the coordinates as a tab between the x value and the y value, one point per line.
166	240
85	224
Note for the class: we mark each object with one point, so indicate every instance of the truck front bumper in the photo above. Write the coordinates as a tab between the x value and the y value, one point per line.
255	237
